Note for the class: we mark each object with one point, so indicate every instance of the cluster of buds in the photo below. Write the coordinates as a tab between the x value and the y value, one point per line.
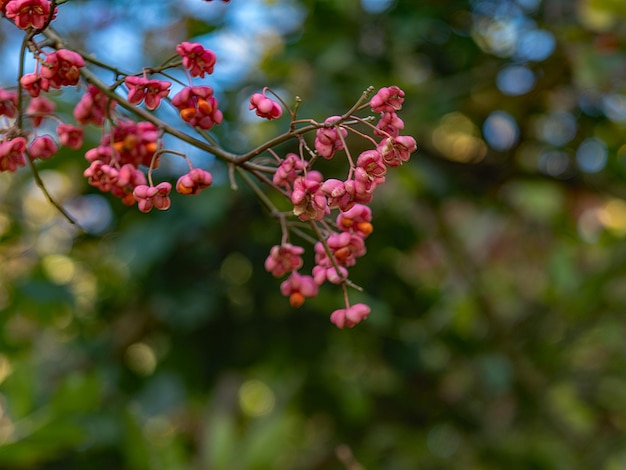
132	145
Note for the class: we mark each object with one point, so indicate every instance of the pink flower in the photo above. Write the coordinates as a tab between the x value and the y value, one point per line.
38	108
12	154
298	287
194	181
93	107
101	175
62	68
329	273
133	142
288	171
389	125
196	58
338	196
397	150
265	107
349	317
356	220
371	162
140	88
42	147
346	247
34	84
153	196
128	178
8	103
70	136
198	106
308	199
387	100
283	259
29	13
328	139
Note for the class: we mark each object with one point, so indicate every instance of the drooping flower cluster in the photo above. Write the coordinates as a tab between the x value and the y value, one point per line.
313	198
133	142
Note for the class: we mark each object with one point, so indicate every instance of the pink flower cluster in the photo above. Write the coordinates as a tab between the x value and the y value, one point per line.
28	13
129	151
313	198
15	147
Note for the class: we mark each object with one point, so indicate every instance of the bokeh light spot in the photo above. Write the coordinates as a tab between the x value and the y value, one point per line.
500	131
554	163
556	128
592	155
141	358
614	107
59	268
613	216
515	80
256	398
536	45
376	6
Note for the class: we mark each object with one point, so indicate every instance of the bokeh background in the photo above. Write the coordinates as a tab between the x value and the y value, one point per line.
496	271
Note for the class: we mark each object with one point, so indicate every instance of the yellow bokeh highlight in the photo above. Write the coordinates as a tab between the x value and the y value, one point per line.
141	358
59	268
256	398
593	16
456	138
612	215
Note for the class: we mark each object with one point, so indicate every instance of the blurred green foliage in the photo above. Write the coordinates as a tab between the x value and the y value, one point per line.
496	272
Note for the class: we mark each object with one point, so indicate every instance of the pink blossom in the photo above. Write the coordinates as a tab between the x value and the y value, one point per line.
101	153
387	100
38	108
198	106
328	139
356	220
346	247
397	150
371	161
70	136
133	142
349	317
153	196
196	58
308	199
389	125
93	107
329	273
298	287
288	171
62	68
34	84
283	259
12	154
338	196
29	13
42	147
101	175
128	178
140	88
265	107
8	103
194	181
